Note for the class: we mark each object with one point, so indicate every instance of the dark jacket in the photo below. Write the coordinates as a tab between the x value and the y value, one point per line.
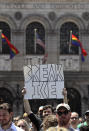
35	120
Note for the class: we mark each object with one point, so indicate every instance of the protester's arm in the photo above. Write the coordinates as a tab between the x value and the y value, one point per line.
65	100
27	106
37	122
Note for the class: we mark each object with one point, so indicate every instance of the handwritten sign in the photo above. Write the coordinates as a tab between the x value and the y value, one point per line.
44	81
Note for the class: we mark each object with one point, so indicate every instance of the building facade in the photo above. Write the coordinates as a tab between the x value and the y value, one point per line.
53	21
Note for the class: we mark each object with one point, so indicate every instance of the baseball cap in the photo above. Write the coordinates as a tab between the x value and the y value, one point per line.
87	112
63	105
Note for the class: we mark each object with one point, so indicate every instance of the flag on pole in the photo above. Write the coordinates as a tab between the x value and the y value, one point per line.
13	50
0	41
76	42
39	41
45	58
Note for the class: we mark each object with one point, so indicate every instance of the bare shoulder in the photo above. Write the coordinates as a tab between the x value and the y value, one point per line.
18	129
57	129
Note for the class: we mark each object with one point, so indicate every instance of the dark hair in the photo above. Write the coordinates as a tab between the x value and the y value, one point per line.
47	106
84	128
6	106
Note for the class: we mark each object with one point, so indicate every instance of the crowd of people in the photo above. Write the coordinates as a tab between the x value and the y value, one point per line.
47	118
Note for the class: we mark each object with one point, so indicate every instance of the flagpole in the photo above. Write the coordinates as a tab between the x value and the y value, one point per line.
0	41
35	30
70	41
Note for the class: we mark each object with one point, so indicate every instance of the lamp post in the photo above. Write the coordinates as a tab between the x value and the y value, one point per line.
0	41
35	30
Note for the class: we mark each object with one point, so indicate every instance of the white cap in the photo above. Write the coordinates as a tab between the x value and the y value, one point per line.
86	112
63	105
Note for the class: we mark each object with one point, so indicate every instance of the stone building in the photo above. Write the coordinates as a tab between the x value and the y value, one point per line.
53	20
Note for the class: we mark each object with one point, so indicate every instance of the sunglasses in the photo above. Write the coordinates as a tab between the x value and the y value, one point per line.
21	126
87	114
74	118
64	112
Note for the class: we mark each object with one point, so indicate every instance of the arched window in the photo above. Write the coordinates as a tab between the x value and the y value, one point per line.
74	100
65	38
6	96
32	30
6	31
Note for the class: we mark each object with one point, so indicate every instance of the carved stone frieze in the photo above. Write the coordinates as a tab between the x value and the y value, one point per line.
70	63
84	32
85	16
51	4
5	63
43	1
52	16
18	15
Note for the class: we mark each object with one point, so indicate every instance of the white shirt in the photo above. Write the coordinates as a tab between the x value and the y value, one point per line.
12	128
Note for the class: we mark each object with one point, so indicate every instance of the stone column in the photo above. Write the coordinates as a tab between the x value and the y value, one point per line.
18	39
84	97
52	47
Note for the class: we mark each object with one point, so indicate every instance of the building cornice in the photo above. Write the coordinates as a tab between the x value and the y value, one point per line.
16	1
77	76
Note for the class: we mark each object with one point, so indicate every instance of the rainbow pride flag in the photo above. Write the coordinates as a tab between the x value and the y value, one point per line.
76	42
13	50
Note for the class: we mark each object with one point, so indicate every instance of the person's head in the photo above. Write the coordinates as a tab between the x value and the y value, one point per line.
63	114
15	119
40	111
80	120
74	120
49	121
47	110
87	116
23	124
6	114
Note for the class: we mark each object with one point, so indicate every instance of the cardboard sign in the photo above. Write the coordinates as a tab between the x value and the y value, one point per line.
44	81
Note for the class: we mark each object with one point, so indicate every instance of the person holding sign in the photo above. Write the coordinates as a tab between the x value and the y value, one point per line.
37	122
47	110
